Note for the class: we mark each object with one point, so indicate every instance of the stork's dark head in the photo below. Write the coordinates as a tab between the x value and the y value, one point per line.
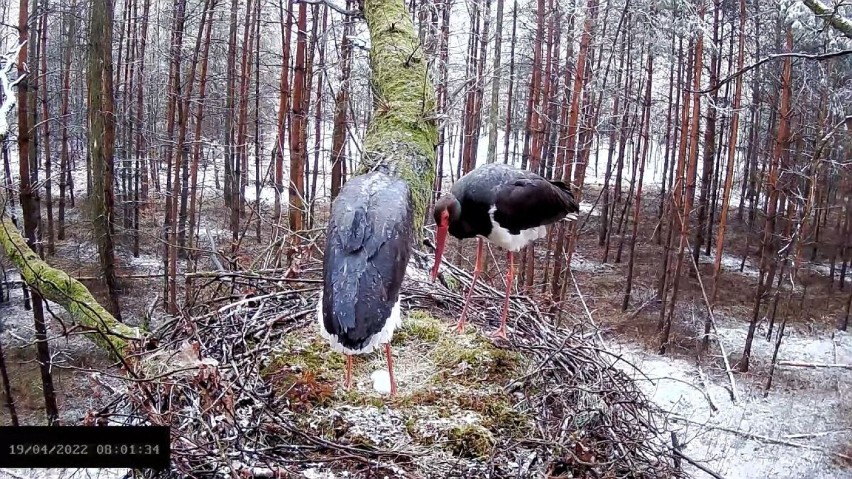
447	210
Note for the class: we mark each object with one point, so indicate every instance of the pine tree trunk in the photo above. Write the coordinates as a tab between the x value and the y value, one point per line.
444	139
667	276
772	206
603	232
199	117
284	104
668	136
8	398
646	141
48	158
729	173
174	104
568	233
709	141
231	111
102	142
341	107
318	118
246	77
182	151
297	150
509	98
684	213
141	177
493	112
29	198
310	60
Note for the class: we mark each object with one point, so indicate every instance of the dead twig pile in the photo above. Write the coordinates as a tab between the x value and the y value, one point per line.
206	381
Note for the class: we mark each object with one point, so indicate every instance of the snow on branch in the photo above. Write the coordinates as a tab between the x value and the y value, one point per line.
776	56
7	63
831	16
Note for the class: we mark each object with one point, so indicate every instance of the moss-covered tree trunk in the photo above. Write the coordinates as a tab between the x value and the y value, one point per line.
55	285
403	133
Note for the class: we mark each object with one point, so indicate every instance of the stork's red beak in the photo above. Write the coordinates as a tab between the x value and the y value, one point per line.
440	239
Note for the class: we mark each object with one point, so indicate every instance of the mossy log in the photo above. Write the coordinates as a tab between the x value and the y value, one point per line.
55	285
402	134
830	15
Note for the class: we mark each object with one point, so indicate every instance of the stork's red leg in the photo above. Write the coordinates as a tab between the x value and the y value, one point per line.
510	278
476	270
348	371
390	369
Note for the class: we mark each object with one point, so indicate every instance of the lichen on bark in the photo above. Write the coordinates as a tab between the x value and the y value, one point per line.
55	285
403	133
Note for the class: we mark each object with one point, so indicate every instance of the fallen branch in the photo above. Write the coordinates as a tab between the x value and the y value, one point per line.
250	275
728	370
801	364
698	465
759	437
125	276
811	435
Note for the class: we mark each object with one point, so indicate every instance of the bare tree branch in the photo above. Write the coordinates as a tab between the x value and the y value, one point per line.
776	56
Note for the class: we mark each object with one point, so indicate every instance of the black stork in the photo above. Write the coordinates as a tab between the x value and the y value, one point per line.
367	248
509	207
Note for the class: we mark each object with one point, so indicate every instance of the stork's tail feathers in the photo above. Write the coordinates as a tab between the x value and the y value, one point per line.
571	204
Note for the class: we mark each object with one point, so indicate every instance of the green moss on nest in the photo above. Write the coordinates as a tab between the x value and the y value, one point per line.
459	400
420	326
471	440
314	356
305	373
452	283
498	413
474	358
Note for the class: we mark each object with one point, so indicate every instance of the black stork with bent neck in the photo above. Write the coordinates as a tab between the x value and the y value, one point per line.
509	207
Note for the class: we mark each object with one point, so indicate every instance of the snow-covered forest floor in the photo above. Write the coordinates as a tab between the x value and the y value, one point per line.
808	408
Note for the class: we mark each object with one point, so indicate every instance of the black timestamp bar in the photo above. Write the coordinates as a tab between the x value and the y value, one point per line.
132	447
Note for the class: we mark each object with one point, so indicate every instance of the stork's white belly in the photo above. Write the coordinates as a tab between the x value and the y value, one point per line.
506	240
384	336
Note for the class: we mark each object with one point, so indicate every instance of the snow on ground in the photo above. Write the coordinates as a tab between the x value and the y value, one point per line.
582	264
587	209
731	263
801	402
145	263
16	323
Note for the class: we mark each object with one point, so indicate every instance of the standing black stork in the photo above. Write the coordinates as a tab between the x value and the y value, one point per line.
367	247
509	207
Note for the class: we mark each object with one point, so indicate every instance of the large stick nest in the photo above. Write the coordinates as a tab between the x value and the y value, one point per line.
250	390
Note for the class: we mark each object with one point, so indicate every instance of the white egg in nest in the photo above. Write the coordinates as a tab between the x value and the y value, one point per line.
381	381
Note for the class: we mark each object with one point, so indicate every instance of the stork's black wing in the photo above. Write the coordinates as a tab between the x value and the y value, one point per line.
532	201
368	245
